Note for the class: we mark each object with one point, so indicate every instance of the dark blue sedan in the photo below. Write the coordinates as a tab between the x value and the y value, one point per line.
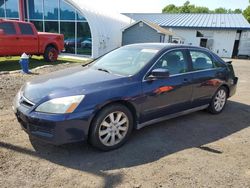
129	88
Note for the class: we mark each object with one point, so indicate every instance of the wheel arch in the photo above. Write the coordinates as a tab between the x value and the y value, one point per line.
125	103
227	88
51	45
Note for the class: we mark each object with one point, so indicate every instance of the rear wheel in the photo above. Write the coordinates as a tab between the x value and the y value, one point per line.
219	101
51	54
111	128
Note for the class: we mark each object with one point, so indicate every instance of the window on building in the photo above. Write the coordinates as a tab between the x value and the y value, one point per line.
38	25
174	61
67	12
204	33
51	10
2	9
12	8
35	9
51	27
9	28
84	41
68	29
80	17
199	34
201	61
26	29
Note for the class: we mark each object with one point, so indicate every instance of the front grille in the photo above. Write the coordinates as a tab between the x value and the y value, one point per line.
36	128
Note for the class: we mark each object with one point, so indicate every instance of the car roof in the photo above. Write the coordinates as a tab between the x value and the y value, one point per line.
161	46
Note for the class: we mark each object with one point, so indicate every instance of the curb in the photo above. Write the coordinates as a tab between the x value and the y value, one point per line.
37	68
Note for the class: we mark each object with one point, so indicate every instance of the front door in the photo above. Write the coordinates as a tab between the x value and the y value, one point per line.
8	41
169	95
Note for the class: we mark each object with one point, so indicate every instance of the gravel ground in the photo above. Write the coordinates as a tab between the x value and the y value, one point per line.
197	150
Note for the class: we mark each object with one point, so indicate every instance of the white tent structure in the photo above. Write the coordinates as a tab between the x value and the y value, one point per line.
105	27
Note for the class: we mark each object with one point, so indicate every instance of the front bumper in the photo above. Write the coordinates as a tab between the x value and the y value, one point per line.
53	128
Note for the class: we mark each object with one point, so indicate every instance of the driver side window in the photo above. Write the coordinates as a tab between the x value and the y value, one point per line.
174	61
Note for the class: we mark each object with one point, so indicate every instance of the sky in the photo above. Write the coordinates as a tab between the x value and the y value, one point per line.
156	6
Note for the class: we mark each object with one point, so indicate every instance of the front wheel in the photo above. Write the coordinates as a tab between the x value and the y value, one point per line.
219	101
111	128
51	54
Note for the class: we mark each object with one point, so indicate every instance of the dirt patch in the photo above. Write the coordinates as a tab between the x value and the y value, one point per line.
197	150
11	83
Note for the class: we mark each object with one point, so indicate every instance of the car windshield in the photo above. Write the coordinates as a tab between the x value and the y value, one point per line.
125	61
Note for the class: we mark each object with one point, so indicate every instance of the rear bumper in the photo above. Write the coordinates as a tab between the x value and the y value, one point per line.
55	129
233	86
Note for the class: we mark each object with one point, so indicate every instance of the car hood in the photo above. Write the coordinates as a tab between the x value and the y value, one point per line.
72	81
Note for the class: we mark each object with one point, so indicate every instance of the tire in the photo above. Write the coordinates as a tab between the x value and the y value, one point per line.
219	101
50	54
111	128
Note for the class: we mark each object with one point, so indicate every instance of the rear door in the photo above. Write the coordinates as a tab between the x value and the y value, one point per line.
9	41
169	95
207	77
28	38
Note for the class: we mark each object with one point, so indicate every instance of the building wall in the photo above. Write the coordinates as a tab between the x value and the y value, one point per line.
222	40
224	43
140	34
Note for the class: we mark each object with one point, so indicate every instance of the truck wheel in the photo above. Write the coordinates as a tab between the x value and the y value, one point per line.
50	54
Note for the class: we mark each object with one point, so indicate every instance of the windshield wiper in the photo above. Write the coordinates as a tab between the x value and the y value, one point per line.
104	70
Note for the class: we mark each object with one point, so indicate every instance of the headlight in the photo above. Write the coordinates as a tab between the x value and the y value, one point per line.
62	105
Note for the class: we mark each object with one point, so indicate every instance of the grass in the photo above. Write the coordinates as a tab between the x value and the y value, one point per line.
11	64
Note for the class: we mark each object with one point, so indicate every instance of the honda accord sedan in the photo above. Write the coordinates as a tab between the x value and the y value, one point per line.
129	88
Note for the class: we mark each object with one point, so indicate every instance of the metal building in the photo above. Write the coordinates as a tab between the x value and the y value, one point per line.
219	32
145	32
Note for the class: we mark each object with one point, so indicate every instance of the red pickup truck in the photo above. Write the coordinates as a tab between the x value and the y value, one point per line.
17	37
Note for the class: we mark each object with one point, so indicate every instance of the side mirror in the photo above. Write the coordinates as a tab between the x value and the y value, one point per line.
2	32
159	74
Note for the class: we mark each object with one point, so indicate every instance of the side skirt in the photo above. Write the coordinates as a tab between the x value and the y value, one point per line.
139	126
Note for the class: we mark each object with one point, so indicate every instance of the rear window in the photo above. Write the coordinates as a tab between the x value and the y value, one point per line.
8	28
201	61
26	29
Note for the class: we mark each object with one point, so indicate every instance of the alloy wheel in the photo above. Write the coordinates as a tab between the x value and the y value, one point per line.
113	128
220	100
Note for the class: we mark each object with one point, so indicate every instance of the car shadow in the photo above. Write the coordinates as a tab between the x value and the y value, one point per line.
149	144
153	142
